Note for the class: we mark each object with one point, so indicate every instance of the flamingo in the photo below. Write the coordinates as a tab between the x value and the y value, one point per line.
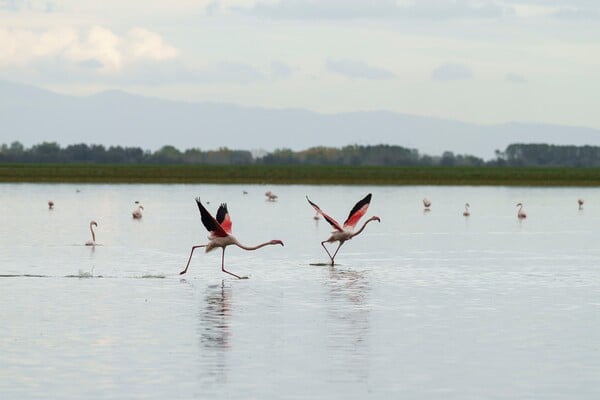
466	213
220	235
316	216
271	196
521	214
137	211
50	204
426	204
580	202
93	241
346	232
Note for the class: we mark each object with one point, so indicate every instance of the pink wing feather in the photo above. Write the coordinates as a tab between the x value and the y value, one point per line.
357	212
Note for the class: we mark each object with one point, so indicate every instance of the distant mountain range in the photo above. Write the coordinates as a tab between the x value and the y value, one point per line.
32	115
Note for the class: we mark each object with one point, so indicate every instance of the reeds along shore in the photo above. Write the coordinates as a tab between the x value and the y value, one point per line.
299	174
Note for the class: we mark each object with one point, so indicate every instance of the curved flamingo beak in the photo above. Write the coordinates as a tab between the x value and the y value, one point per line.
278	242
376	219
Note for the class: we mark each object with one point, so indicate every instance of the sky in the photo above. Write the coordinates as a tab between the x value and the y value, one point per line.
482	61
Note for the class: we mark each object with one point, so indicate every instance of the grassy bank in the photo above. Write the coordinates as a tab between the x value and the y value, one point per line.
303	174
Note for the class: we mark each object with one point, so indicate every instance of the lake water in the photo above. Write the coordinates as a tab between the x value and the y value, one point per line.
421	306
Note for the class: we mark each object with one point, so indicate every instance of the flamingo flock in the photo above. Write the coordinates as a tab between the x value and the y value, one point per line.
220	235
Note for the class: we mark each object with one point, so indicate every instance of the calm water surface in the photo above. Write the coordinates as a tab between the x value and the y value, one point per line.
422	305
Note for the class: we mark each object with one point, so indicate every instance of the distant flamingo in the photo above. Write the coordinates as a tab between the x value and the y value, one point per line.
466	213
137	211
50	204
580	202
521	214
426	204
93	241
316	216
346	232
271	196
220	235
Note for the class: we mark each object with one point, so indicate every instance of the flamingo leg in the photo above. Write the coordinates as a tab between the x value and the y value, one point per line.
190	259
223	266
327	251
336	250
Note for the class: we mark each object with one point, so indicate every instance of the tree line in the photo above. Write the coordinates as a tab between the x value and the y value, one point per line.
535	155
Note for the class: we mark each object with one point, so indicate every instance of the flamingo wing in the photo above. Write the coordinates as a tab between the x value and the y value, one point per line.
331	221
209	221
357	212
223	218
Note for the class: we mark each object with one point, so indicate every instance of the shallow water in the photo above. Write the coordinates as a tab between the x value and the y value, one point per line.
423	305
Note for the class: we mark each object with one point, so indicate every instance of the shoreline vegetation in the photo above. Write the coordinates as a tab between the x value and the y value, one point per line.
297	174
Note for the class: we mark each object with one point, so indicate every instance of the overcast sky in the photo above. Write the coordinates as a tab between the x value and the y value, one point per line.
483	61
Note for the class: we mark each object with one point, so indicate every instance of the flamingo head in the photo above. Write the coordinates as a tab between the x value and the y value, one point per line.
519	204
141	206
276	242
467	205
375	218
94	223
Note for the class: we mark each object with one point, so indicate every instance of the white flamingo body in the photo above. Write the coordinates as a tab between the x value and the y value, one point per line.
343	233
93	241
137	212
426	204
466	213
521	214
580	202
220	235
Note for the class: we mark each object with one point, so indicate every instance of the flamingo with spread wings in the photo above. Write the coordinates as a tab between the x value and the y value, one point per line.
345	232
220	235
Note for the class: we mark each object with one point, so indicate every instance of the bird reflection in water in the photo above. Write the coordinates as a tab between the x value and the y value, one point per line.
349	314
214	318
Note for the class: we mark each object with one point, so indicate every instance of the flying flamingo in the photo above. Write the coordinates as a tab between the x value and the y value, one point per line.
271	196
580	202
426	204
345	232
93	241
137	211
220	235
521	214
466	213
50	204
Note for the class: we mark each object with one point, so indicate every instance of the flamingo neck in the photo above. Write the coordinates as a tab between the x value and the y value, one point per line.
93	235
362	228
241	246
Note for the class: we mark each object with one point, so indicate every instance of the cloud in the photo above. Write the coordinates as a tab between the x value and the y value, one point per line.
26	5
377	9
280	70
110	52
515	78
451	72
358	69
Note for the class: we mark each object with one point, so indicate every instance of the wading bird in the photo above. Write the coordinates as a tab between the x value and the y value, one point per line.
580	202
466	213
220	235
50	204
426	204
137	211
93	241
521	214
346	232
271	196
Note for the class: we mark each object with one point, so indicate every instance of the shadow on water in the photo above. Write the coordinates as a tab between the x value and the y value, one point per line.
348	292
214	331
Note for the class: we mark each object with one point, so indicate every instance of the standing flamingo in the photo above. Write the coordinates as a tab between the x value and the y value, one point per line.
345	232
137	211
521	214
466	213
93	241
220	235
426	204
50	205
580	202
